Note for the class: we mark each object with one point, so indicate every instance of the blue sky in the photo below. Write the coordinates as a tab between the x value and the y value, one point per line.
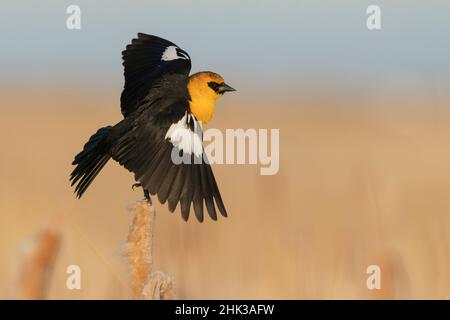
273	43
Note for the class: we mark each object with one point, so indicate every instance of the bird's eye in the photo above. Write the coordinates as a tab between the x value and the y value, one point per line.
214	85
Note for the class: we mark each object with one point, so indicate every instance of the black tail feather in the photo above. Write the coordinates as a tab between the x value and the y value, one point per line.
90	161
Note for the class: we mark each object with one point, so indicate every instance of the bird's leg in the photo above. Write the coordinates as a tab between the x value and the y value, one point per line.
147	196
146	193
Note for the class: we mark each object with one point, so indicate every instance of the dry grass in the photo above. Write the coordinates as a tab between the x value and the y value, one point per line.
145	284
362	181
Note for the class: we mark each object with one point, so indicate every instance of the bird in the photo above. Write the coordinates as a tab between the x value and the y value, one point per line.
164	112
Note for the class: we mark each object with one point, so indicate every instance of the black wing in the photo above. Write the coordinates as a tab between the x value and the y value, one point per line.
145	61
146	147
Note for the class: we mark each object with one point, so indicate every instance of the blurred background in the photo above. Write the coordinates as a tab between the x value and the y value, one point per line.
364	173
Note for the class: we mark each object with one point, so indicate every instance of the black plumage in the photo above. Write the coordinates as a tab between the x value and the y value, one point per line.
155	97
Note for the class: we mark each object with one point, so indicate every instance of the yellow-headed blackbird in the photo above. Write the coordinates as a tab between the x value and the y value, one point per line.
164	109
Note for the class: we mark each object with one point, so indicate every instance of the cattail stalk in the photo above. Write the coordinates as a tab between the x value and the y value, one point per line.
144	283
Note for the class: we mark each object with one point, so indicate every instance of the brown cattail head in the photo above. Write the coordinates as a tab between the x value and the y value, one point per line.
139	249
37	264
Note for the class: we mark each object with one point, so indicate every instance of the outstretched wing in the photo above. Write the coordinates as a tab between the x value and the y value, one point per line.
146	61
165	153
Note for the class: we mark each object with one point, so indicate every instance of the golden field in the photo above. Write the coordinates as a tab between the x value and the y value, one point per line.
361	181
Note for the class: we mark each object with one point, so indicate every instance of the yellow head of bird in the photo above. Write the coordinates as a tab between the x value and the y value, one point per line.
207	85
205	88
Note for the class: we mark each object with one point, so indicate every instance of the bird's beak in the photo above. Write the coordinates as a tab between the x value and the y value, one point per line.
224	88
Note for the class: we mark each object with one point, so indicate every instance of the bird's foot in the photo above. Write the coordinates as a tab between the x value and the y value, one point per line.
147	196
146	193
136	185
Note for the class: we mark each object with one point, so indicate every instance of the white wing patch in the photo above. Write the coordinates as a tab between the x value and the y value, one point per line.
181	136
171	54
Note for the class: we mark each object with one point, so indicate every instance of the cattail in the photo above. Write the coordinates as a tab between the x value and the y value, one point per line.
159	286
139	246
37	264
145	284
